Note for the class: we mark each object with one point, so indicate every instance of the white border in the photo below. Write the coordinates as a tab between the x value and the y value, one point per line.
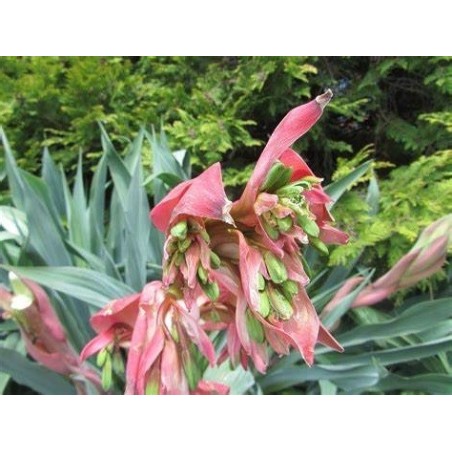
233	27
234	423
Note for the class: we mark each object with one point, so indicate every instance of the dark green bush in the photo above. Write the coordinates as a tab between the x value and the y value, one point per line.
223	109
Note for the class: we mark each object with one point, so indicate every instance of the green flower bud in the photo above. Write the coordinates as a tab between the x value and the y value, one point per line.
270	230
307	224
281	304
102	357
174	333
179	230
254	328
202	275
278	176
313	179
264	304
205	236
183	245
178	259
290	192
107	377
18	287
284	224
215	261
118	363
319	245
192	371
212	290
260	282
152	387
289	288
275	267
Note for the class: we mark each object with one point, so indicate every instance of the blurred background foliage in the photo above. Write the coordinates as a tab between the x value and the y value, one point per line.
393	110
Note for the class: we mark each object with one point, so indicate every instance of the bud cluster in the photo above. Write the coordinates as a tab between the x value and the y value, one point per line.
232	267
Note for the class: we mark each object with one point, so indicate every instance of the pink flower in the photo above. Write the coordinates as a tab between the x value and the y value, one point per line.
295	124
185	215
114	325
211	388
283	206
42	333
238	270
157	331
275	309
201	197
426	257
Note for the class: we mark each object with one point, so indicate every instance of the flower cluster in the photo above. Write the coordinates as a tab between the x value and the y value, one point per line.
228	267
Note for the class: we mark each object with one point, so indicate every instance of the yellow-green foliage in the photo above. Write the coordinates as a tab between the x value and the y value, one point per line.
411	197
397	110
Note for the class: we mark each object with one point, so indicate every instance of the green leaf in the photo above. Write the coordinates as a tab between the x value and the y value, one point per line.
14	221
239	380
373	196
327	388
338	188
413	320
86	285
36	377
348	379
338	311
97	205
429	383
45	231
52	177
163	162
15	181
118	170
396	355
77	212
137	228
7	326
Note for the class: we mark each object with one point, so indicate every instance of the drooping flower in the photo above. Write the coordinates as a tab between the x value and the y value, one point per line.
161	337
185	215
114	325
42	333
275	309
425	258
283	206
238	270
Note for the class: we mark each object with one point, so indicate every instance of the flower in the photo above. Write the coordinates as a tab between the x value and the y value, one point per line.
202	197
42	333
211	388
185	215
426	257
295	124
158	332
232	267
283	206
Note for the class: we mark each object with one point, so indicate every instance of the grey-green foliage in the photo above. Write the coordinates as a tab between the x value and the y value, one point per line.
90	242
396	348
